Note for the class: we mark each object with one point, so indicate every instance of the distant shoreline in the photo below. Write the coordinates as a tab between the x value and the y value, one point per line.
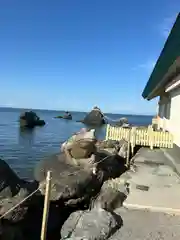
52	110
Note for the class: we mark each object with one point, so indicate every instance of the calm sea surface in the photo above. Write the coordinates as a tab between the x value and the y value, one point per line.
22	150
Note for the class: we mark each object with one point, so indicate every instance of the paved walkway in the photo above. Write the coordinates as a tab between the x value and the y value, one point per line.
144	225
162	193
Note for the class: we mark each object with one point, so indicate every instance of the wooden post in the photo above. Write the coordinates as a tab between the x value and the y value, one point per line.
128	149
133	139
151	136
107	132
46	206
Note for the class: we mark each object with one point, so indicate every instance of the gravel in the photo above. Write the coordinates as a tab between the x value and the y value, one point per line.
145	225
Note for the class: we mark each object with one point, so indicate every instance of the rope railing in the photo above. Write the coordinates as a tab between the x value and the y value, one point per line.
18	204
46	198
46	205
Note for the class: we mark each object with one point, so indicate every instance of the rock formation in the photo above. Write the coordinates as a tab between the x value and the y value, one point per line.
94	118
74	185
91	225
123	122
67	116
30	120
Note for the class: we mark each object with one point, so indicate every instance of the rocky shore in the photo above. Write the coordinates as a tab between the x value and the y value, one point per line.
83	194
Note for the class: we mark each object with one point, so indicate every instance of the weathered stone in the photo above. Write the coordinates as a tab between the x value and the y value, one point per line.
122	121
108	144
30	120
109	199
111	165
123	144
68	181
91	225
94	118
81	145
9	181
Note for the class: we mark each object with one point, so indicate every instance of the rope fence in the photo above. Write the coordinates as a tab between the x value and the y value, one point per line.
46	198
18	204
46	205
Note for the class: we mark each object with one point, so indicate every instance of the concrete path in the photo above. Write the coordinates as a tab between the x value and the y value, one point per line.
162	193
144	225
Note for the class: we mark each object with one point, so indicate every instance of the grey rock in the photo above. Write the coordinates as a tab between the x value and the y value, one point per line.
112	166
9	181
123	144
30	119
122	121
108	144
68	181
94	118
19	212
91	225
110	197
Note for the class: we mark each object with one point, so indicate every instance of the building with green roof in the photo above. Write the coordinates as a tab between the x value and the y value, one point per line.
164	82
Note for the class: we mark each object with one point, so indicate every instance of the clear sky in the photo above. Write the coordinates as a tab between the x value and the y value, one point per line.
74	54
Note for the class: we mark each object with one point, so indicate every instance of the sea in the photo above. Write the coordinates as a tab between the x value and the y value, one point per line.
22	150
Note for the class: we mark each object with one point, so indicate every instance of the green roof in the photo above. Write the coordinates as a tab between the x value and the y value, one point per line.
169	54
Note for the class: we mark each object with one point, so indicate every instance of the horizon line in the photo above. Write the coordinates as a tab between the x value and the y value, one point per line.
56	110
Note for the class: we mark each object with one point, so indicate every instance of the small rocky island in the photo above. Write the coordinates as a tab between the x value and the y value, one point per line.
94	118
82	190
30	120
67	115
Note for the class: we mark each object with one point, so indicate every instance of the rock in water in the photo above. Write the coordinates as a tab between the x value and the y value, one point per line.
30	120
94	118
123	122
96	224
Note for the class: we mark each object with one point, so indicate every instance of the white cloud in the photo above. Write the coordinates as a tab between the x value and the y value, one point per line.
166	25
147	66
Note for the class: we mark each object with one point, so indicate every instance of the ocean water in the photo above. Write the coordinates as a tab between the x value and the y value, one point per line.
22	150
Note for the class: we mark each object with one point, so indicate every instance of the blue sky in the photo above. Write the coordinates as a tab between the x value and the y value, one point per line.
74	54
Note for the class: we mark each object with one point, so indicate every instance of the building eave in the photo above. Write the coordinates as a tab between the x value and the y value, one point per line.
168	57
172	73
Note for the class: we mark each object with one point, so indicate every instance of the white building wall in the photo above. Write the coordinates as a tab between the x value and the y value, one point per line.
174	121
169	114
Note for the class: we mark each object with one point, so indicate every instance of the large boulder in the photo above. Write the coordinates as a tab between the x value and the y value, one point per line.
90	225
12	191
112	195
112	165
69	182
80	149
10	183
22	212
30	120
94	118
123	148
123	122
